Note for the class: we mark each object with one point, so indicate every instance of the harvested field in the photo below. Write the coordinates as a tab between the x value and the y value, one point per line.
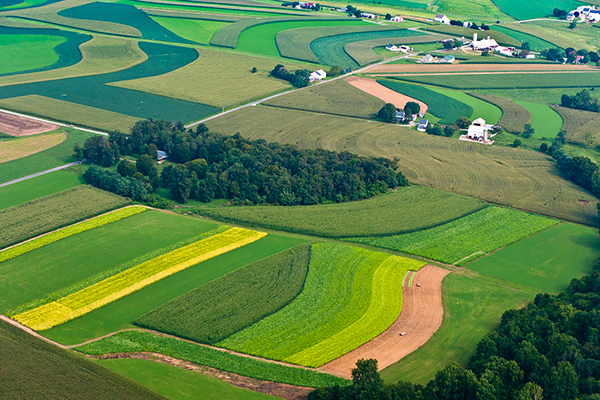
15	125
435	68
514	116
421	316
373	88
578	122
15	149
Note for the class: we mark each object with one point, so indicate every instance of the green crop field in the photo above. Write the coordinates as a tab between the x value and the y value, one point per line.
481	109
337	97
31	368
204	11
547	260
463	240
535	43
446	108
53	157
330	49
499	37
203	80
514	116
409	209
503	175
131	341
260	39
534	9
100	55
51	212
546	122
295	43
121	313
235	301
16	48
510	81
37	187
478	9
160	378
194	14
472	307
558	33
363	53
578	122
70	113
78	258
196	30
328	320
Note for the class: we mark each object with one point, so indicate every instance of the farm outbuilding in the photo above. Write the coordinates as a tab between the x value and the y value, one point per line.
397	19
318	75
426	59
484	44
448	59
423	123
443	19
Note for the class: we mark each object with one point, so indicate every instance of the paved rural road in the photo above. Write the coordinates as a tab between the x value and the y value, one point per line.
40	173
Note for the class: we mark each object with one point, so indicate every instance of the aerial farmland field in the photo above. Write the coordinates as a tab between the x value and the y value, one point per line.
215	200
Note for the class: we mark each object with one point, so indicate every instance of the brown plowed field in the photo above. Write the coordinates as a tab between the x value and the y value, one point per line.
406	68
15	125
373	88
421	316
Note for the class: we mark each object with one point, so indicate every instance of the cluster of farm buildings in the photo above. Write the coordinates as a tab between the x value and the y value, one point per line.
584	13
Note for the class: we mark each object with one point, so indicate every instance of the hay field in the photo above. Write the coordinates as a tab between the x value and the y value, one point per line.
218	78
19	148
578	122
196	30
337	97
70	113
101	55
503	175
514	116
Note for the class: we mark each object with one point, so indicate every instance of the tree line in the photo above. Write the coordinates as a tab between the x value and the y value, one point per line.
581	101
549	349
207	166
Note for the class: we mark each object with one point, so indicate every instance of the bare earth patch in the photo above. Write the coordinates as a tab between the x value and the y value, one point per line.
18	148
373	88
404	68
282	390
421	316
17	126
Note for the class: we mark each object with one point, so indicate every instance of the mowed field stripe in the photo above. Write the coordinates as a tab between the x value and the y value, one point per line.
134	279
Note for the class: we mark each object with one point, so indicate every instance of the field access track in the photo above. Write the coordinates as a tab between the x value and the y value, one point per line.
374	88
421	316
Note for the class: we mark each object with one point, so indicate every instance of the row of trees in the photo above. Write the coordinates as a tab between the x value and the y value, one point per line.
212	166
570	54
548	350
581	101
472	25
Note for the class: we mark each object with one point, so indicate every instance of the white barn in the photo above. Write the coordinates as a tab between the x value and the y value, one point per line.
317	75
478	131
484	44
443	19
397	19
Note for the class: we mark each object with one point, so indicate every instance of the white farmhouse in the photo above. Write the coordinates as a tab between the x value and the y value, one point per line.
392	47
397	19
317	75
369	15
426	59
443	19
484	44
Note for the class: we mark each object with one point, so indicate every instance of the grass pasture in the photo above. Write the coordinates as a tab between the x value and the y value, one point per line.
330	49
535	43
131	341
465	239
41	186
469	301
15	49
235	301
503	175
121	313
100	55
87	254
337	97
558	33
488	111
203	81
51	212
70	113
328	320
446	108
31	368
409	209
160	378
546	122
578	122
22	147
514	116
547	261
510	81
295	43
534	9
195	30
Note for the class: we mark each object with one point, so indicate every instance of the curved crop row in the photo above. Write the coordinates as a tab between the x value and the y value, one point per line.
514	116
385	307
134	279
463	240
336	298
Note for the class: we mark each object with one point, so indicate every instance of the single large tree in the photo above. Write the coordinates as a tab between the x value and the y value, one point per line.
388	113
